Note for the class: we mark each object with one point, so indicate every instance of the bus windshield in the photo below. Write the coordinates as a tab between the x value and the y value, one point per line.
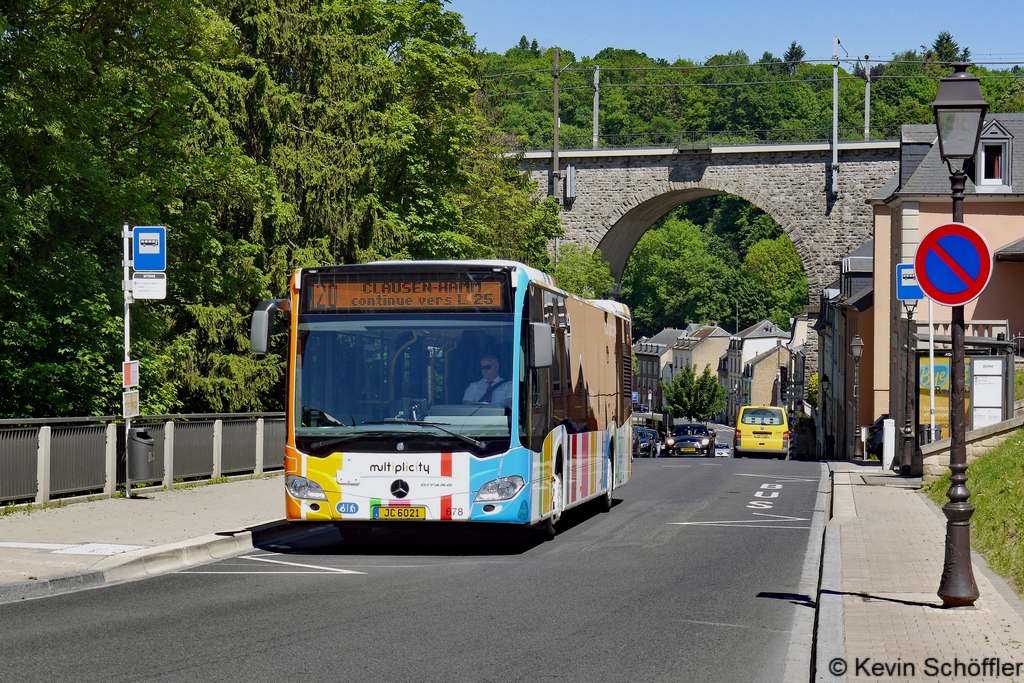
419	383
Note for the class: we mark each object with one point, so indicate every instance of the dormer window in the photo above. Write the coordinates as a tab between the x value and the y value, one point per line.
994	158
993	164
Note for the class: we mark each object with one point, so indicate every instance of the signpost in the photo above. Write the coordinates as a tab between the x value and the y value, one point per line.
907	288
145	252
953	265
909	292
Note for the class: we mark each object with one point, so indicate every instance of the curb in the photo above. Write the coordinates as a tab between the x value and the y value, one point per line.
801	652
162	559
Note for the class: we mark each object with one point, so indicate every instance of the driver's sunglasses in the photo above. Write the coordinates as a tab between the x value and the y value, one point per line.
487	367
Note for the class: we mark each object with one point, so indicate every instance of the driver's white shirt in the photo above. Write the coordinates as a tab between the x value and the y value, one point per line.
501	395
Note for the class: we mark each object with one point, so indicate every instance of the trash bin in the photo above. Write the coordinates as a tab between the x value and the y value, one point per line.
140	455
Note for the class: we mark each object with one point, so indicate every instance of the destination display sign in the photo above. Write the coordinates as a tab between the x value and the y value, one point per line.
343	293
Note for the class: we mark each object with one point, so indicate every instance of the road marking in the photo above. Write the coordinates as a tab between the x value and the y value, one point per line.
262	573
781	477
751	523
298	564
677	465
35	546
74	548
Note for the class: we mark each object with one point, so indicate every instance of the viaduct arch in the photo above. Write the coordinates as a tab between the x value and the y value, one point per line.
619	194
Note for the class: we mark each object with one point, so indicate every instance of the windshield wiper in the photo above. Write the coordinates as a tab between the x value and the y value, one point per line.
437	425
327	443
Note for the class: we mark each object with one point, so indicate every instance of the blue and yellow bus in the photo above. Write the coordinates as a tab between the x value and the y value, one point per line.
449	391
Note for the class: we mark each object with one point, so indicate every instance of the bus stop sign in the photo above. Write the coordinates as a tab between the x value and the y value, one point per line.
953	264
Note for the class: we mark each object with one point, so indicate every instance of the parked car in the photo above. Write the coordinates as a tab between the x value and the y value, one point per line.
691	439
761	430
875	434
641	443
722	450
657	446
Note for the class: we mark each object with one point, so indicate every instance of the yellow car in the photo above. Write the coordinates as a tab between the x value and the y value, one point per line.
761	430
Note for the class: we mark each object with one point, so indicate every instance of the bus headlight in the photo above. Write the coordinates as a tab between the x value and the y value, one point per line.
502	488
300	487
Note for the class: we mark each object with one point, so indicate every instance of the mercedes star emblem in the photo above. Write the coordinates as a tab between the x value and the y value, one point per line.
399	488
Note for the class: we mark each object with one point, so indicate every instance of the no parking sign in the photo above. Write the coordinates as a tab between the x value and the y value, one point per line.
953	264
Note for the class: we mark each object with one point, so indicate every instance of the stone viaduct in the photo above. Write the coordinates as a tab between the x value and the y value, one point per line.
621	193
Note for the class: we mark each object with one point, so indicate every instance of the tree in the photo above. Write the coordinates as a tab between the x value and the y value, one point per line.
582	271
523	44
945	49
693	397
793	57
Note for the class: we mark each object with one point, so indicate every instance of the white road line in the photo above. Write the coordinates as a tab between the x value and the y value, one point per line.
731	525
781	477
297	564
781	517
677	465
35	546
285	571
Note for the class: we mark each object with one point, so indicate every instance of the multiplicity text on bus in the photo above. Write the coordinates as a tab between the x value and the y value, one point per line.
449	391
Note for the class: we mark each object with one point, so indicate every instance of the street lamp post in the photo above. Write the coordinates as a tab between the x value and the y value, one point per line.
856	350
906	459
959	114
823	397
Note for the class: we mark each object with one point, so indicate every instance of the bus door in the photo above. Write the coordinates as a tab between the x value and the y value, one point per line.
537	408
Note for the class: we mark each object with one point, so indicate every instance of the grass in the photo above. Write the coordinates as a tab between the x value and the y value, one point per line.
996	483
1018	385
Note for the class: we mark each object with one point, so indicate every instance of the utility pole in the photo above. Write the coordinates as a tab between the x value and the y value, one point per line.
867	97
597	95
555	175
835	116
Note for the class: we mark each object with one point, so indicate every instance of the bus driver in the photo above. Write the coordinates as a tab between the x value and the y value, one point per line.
491	388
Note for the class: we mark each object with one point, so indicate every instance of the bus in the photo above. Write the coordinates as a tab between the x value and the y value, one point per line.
473	391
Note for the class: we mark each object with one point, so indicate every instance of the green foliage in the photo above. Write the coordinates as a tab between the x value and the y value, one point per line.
1018	385
708	258
582	271
996	481
812	390
693	397
267	137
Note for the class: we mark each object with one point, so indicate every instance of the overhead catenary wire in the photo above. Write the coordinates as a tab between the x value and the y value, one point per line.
874	79
763	65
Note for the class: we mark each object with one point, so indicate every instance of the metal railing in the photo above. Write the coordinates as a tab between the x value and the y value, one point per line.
693	139
46	458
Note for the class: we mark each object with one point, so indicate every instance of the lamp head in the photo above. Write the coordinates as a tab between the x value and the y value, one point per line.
959	113
857	347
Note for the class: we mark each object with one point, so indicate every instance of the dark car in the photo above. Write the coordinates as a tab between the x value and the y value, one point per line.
691	439
641	443
875	434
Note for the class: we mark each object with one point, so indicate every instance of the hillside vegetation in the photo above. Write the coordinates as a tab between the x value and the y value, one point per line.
271	136
996	483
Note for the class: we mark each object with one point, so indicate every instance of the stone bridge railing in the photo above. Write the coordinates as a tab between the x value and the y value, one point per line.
694	139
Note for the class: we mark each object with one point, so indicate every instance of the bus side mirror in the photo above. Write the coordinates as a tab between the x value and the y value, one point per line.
263	324
542	345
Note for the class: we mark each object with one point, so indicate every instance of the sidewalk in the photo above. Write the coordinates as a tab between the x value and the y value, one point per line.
53	550
883	559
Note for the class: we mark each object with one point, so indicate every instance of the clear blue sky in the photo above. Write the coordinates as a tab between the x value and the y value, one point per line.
672	29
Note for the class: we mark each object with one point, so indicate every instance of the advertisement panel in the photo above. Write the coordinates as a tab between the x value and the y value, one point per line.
942	390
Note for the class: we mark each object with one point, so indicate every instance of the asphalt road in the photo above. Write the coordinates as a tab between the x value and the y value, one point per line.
693	576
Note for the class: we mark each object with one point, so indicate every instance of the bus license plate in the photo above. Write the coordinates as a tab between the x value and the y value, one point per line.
406	512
